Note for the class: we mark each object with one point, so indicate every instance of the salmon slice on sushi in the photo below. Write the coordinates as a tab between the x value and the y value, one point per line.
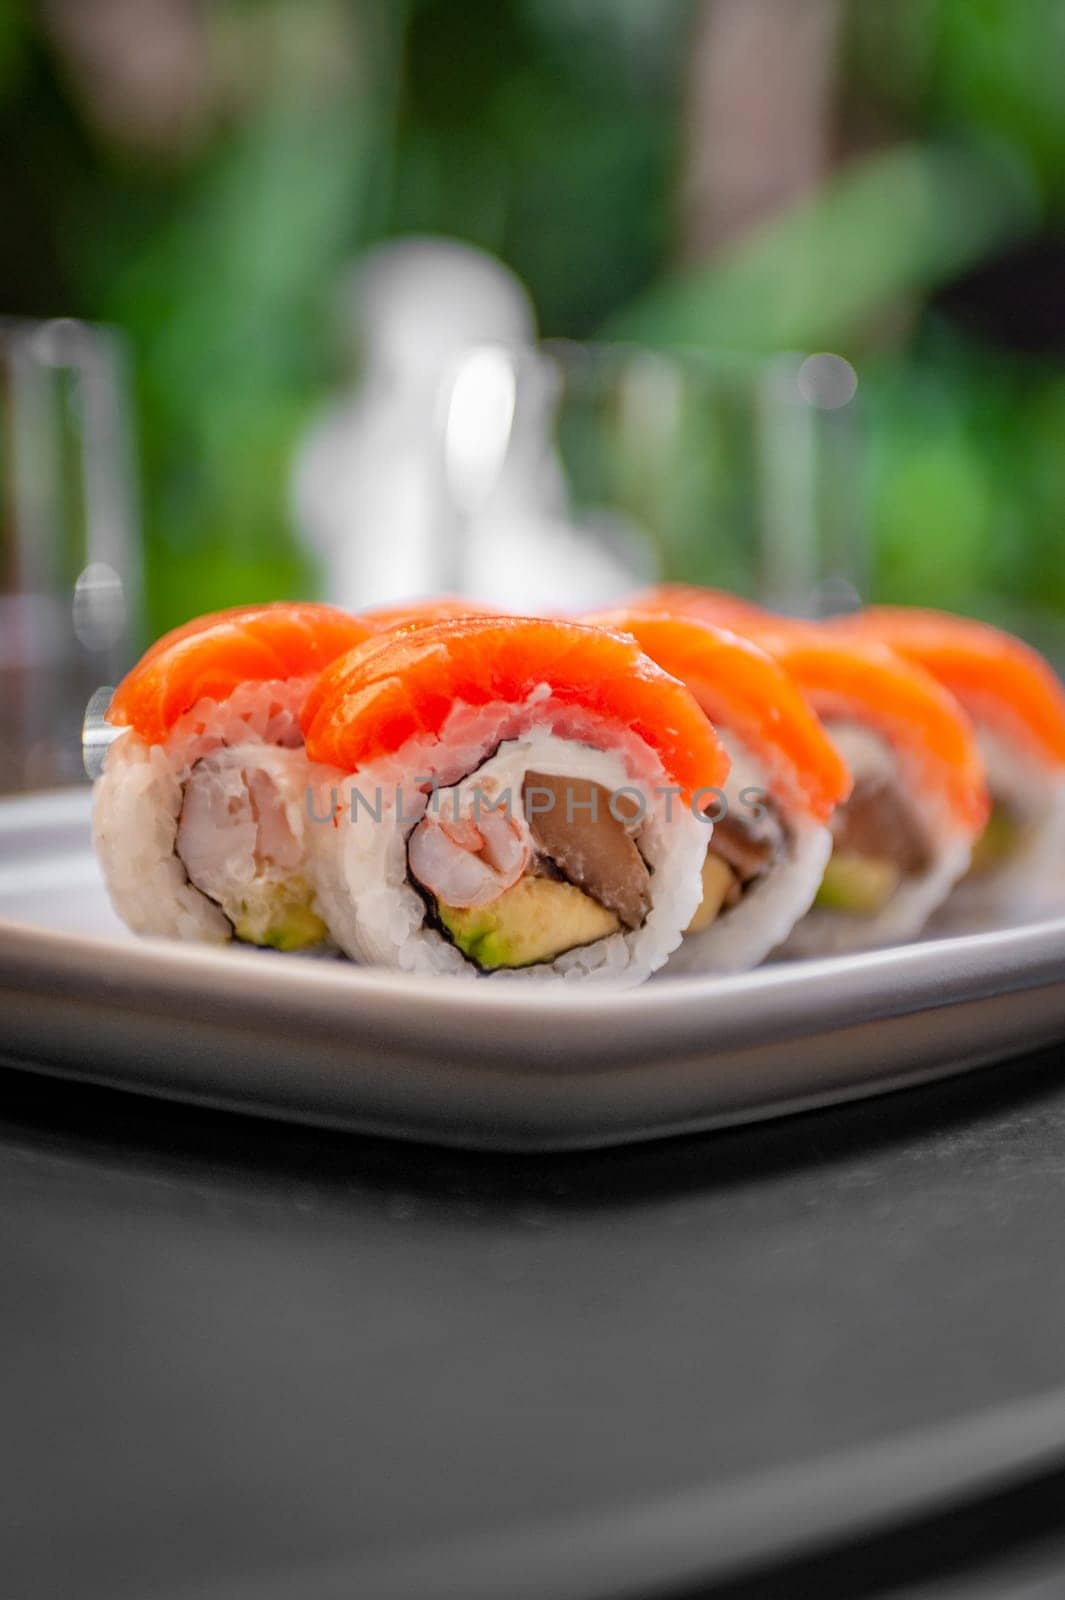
199	817
416	613
771	840
905	835
1017	706
510	797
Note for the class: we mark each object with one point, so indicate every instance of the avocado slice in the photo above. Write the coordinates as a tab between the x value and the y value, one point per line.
999	840
279	917
857	883
537	920
718	879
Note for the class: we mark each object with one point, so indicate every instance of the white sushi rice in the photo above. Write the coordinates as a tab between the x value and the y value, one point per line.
364	889
137	806
742	936
825	931
1030	882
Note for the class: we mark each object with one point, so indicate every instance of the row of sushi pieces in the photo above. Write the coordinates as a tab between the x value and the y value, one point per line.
688	781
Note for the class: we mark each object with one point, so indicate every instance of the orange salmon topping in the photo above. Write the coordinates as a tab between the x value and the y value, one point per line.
848	678
743	689
371	702
212	655
997	678
411	613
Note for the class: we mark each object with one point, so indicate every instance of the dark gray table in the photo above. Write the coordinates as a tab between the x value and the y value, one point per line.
240	1359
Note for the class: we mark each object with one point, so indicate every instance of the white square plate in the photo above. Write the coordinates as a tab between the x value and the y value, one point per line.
483	1065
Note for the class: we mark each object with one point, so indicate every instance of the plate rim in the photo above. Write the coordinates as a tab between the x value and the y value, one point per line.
706	1038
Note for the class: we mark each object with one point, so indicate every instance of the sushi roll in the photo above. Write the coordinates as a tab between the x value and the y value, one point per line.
1017	706
510	797
771	840
199	814
905	835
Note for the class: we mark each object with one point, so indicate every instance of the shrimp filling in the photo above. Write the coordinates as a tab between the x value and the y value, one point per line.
238	845
518	878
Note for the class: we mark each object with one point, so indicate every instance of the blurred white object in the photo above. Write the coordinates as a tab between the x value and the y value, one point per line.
516	542
369	493
438	472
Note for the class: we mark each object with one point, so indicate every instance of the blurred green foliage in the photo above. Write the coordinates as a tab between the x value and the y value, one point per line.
551	132
896	224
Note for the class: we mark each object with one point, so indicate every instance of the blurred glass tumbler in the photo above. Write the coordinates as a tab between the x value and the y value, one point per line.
70	562
574	473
